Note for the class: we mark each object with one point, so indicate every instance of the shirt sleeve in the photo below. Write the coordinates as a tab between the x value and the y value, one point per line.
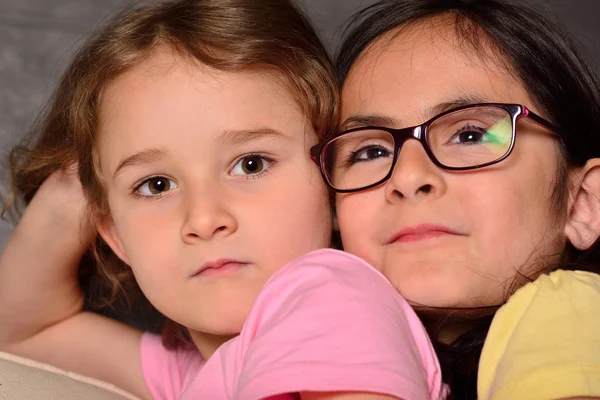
167	372
544	343
330	322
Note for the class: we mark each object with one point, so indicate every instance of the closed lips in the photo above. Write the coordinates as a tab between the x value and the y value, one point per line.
215	265
422	231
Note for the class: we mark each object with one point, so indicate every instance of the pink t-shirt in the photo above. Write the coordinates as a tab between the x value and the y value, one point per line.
326	322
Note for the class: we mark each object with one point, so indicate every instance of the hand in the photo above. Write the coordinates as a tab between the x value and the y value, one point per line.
60	206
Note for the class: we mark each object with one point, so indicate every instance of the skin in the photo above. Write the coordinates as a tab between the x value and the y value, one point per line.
204	127
501	216
197	129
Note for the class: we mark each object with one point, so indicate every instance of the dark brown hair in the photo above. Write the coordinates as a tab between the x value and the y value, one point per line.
228	35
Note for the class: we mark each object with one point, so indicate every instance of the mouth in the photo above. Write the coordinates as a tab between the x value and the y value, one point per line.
219	267
420	233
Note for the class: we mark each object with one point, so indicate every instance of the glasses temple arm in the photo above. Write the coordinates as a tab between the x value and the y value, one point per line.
315	153
541	121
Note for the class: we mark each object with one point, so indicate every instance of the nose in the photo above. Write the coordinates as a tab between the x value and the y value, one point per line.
415	176
208	216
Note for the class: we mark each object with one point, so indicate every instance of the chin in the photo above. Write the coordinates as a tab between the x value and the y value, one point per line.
427	291
225	323
215	329
211	320
445	297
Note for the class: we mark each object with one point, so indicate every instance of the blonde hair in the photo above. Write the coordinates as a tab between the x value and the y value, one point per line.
228	35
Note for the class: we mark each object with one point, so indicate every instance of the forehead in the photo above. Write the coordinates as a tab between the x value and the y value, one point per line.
166	72
170	101
407	72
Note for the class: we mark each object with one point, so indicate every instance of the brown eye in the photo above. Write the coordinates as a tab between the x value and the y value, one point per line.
158	185
251	165
155	186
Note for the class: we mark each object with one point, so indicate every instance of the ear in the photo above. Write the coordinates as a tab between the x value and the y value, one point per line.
583	223
106	229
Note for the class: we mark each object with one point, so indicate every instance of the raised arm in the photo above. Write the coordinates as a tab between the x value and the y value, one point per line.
41	302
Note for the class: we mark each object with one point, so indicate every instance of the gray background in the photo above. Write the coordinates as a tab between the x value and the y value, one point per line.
38	36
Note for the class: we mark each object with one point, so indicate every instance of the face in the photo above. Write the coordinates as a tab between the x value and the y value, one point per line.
210	187
443	238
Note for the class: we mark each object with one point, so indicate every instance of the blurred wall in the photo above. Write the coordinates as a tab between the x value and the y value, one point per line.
38	36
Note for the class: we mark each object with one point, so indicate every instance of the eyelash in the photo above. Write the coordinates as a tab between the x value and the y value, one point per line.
137	186
260	174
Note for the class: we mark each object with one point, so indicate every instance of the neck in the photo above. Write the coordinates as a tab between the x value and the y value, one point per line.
207	343
446	325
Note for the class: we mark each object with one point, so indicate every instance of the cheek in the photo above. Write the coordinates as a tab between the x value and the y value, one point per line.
290	221
357	217
146	233
512	222
142	232
150	236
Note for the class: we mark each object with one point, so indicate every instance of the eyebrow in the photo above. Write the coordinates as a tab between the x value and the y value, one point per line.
232	137
143	157
464	100
358	121
241	136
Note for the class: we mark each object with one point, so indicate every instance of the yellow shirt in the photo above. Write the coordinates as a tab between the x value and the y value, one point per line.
544	343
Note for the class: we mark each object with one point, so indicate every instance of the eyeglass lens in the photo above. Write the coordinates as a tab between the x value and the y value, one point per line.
461	139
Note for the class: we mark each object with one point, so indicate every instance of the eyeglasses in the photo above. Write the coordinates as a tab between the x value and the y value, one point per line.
460	139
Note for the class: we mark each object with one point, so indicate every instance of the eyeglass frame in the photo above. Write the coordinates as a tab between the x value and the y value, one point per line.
419	132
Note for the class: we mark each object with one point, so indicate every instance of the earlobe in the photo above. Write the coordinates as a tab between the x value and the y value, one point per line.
583	224
106	229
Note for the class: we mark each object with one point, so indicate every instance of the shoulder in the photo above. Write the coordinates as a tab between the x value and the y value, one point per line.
327	277
559	294
547	334
327	298
572	284
329	263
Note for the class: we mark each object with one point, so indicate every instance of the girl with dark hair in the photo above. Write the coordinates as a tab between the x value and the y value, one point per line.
466	166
